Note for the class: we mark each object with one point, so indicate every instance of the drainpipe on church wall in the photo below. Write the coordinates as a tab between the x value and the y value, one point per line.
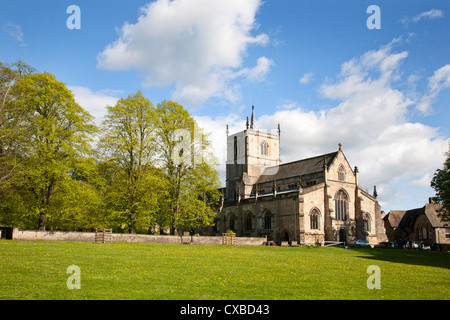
358	213
299	212
328	227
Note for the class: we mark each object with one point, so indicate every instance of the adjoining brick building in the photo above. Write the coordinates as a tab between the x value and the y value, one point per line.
305	201
420	224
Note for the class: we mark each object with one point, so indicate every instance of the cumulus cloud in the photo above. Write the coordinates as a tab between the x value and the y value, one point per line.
216	130
370	119
307	77
438	81
258	72
94	102
197	46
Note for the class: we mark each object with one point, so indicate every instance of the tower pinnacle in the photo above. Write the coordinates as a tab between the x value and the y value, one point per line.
252	120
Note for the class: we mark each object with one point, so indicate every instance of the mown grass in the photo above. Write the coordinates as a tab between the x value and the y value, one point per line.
38	270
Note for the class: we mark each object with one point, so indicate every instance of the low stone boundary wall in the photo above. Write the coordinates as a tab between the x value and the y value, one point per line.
123	237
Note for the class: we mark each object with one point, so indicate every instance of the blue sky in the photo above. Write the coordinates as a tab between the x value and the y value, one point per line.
312	66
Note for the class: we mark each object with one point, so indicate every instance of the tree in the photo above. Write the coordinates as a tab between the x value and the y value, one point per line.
11	116
441	184
78	202
128	149
76	205
56	134
199	196
189	168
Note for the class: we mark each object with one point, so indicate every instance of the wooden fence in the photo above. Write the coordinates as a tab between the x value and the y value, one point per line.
103	235
229	238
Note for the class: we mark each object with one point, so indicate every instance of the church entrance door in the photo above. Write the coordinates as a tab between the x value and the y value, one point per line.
343	236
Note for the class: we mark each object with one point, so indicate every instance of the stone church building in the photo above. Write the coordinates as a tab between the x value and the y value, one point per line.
306	201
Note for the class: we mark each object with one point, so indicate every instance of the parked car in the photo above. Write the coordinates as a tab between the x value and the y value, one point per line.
362	243
386	244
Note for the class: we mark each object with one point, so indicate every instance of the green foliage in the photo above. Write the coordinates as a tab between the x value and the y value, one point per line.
11	119
148	159
190	175
77	206
441	184
58	132
151	167
52	134
127	145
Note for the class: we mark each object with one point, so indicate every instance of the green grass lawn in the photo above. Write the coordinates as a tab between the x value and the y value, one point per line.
38	270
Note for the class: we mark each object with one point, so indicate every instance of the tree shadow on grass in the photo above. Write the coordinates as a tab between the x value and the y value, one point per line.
406	256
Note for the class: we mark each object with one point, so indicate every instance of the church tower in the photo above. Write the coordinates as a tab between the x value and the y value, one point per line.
249	152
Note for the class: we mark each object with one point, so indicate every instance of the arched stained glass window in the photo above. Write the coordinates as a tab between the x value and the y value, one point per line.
341	205
268	220
314	219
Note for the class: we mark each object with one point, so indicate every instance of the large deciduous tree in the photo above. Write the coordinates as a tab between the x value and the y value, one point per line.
441	184
56	133
183	153
154	167
128	149
11	119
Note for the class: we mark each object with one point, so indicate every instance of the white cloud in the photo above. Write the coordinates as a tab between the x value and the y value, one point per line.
221	84
307	77
370	119
15	32
438	81
429	15
196	45
94	102
258	72
216	128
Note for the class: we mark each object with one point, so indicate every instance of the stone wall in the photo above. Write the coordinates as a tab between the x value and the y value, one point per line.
122	237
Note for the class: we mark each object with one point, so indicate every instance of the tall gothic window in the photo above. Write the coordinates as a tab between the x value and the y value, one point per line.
249	221
268	220
341	173
232	224
264	148
341	205
366	221
314	219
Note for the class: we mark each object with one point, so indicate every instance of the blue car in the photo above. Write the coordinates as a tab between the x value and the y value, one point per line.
362	243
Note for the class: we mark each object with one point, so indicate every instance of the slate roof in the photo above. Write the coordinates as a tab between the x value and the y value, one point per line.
409	216
395	217
431	212
297	168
